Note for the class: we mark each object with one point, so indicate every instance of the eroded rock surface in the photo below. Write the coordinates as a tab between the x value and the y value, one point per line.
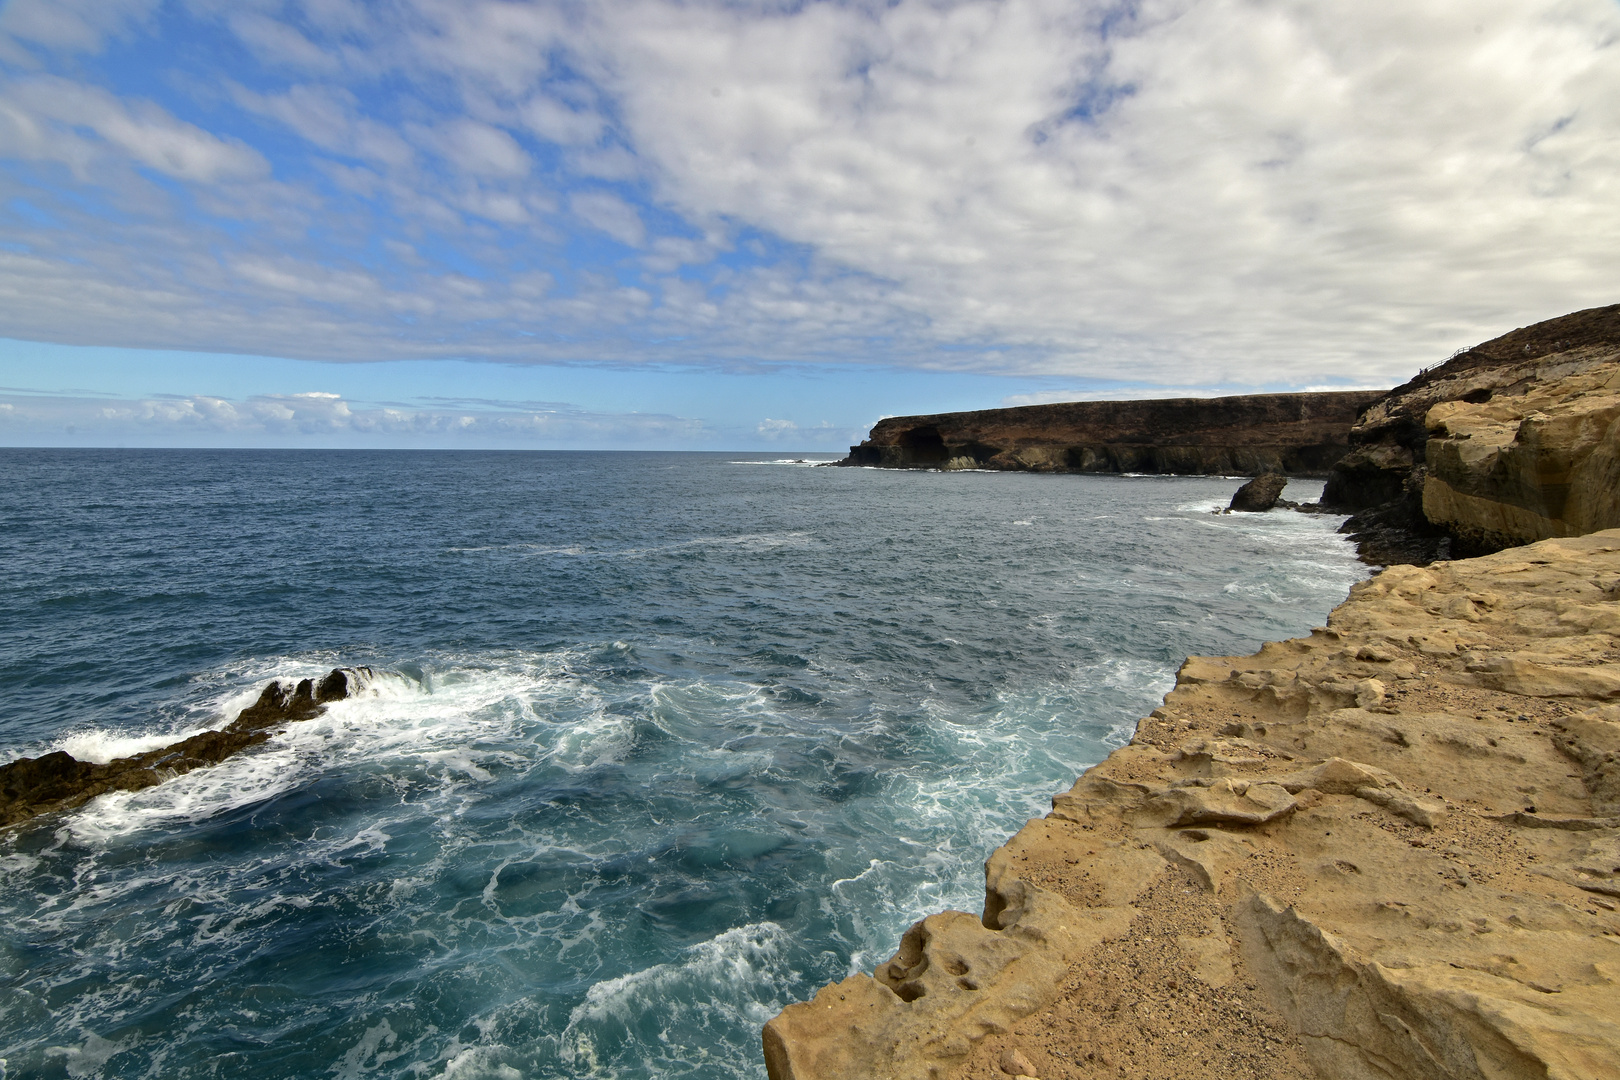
1390	849
1259	494
1509	442
1293	434
58	781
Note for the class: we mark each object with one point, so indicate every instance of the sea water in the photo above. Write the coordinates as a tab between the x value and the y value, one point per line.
656	744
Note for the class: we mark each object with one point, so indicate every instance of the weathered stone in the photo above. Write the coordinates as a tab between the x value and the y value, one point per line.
1421	881
58	781
1015	1064
1510	442
1224	802
1259	494
1294	434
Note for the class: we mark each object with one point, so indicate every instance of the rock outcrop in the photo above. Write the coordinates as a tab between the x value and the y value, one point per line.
1390	849
1509	442
58	781
1293	434
1259	494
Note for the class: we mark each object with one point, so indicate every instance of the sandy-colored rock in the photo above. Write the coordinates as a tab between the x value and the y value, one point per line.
1015	1064
1291	873
1531	465
1512	441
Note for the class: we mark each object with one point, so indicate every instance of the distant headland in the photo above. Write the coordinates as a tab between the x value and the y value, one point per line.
1388	849
1294	434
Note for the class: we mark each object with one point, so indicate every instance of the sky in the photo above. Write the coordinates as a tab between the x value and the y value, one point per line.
696	224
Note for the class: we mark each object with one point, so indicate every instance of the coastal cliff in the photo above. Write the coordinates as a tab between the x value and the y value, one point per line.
1512	441
1388	849
1294	434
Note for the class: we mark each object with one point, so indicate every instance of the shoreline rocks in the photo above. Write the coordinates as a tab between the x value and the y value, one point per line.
1260	494
1513	441
58	781
1388	849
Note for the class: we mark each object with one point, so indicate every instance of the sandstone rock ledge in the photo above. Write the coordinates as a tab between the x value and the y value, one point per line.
1512	441
1388	849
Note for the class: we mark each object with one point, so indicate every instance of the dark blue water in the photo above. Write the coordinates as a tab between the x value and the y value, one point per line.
659	742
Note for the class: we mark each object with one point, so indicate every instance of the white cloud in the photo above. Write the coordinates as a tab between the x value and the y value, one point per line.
328	117
477	149
46	119
80	25
1292	188
559	123
1213	193
320	418
611	214
281	44
822	435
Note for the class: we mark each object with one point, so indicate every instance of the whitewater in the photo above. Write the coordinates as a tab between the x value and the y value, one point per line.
656	744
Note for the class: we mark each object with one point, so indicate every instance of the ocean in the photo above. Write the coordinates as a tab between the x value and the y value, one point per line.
656	744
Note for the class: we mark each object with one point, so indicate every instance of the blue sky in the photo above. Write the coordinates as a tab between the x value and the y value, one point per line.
764	225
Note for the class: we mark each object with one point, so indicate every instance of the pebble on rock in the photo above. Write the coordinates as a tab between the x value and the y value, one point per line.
1014	1063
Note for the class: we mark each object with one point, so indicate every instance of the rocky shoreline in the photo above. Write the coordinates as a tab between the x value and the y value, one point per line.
1391	848
1388	849
1512	441
58	781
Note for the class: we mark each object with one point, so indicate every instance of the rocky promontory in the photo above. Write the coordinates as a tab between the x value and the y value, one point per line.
1292	434
1509	442
59	781
1390	849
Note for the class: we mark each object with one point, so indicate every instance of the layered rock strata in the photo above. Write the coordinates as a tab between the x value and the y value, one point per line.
59	781
1390	849
1293	434
1509	442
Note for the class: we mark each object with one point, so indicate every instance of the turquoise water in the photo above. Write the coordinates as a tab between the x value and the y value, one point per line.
658	743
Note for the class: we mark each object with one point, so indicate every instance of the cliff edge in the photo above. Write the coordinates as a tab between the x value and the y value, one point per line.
1388	849
1512	441
1294	434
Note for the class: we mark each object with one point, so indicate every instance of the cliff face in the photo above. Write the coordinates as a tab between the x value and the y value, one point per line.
1390	849
1510	442
1295	434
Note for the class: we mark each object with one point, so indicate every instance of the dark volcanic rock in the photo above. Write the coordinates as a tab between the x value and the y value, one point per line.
1259	494
59	781
1294	434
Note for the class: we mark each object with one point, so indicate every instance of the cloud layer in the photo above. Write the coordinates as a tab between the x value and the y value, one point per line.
325	419
1200	192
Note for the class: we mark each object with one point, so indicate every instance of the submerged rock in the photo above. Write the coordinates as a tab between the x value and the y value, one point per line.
1259	494
58	781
